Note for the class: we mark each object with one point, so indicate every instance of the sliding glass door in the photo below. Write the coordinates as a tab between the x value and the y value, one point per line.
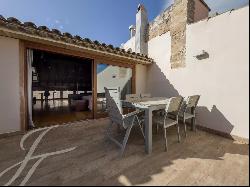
111	76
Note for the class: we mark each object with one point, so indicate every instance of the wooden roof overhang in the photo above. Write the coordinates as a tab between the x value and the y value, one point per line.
35	36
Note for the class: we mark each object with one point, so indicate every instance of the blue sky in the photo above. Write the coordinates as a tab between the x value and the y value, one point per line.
103	20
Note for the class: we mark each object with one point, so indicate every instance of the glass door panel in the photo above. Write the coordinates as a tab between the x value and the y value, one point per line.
112	77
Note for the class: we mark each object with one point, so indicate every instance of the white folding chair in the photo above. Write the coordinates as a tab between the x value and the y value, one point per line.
173	106
188	111
125	121
132	98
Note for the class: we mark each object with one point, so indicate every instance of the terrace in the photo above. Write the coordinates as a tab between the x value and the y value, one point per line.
200	159
61	94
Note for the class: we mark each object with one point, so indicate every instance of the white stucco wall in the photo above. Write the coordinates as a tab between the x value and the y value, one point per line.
222	80
141	70
141	78
130	44
9	85
201	11
113	77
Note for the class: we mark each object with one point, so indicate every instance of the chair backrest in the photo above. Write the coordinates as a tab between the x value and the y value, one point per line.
174	105
115	94
113	108
145	95
192	101
132	97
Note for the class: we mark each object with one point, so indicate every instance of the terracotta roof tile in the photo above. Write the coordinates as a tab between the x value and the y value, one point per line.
56	31
2	18
96	42
30	24
43	31
67	35
14	20
78	37
44	28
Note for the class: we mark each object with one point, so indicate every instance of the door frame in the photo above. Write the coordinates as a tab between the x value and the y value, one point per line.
95	59
133	89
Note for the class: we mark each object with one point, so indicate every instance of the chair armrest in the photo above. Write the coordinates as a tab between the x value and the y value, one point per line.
172	116
136	112
126	104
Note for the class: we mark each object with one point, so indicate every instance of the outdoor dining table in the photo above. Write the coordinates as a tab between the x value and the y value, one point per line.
148	105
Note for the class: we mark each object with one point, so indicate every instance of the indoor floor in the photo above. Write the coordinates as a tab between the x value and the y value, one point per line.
56	112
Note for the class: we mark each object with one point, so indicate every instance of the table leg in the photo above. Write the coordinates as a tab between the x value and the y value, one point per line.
148	129
193	120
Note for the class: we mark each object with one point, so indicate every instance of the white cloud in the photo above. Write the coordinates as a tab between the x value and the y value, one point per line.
57	23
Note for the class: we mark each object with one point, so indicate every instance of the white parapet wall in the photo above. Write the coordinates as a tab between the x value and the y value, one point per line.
141	70
222	79
141	78
9	85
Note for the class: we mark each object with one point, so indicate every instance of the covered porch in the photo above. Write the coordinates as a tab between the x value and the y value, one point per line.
76	90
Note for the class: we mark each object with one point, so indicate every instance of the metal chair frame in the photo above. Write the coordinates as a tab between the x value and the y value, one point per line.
127	121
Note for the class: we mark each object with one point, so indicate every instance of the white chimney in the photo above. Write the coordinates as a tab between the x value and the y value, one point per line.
132	31
141	45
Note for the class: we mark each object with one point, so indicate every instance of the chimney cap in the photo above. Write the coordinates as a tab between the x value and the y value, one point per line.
131	27
141	7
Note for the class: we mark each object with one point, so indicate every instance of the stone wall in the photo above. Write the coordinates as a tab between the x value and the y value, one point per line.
178	33
174	19
160	25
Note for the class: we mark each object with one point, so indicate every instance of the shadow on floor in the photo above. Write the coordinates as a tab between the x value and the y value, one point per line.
209	147
213	119
201	147
96	161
